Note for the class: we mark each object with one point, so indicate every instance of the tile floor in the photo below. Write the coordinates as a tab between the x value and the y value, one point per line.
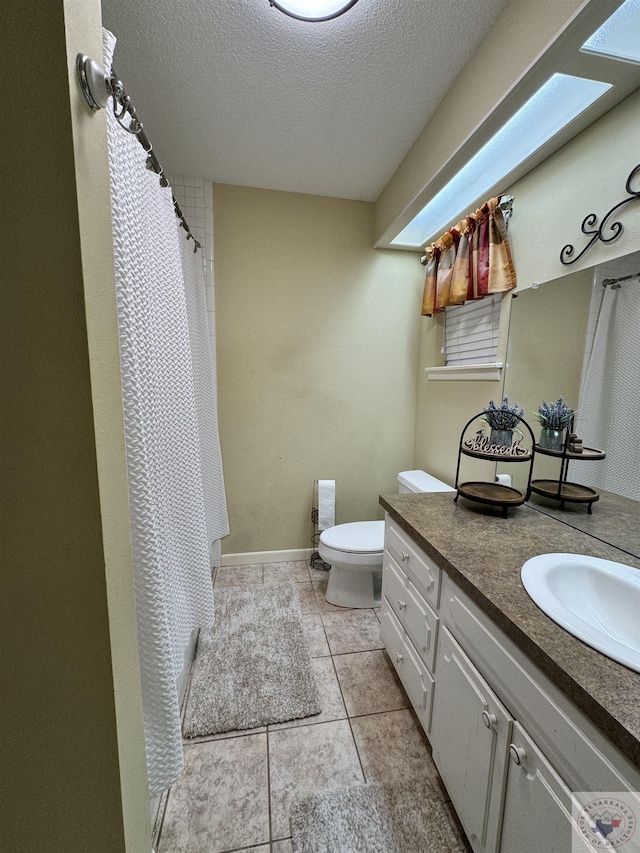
237	788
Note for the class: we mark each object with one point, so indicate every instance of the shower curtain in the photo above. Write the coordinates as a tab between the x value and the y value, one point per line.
609	407
176	490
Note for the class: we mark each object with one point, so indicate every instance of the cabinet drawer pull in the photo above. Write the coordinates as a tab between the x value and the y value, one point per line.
517	754
399	657
425	648
404	556
402	604
489	720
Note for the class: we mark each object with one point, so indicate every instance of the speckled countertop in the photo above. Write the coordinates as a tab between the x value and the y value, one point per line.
458	538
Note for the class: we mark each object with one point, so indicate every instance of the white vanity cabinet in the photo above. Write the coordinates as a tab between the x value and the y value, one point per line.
507	795
509	745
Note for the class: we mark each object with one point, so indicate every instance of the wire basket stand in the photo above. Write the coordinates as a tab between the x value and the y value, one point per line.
315	560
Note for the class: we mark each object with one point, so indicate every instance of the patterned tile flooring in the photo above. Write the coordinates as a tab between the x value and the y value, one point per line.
237	788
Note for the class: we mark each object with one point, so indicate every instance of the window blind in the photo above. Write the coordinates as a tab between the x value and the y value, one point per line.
471	331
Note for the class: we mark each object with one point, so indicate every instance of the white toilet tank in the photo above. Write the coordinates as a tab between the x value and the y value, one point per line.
420	481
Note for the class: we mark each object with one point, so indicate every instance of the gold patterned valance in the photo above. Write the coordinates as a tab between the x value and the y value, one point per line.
470	261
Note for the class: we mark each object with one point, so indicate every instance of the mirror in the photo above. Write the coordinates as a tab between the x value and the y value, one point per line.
550	327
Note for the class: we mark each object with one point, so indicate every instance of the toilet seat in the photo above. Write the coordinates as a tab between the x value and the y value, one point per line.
356	537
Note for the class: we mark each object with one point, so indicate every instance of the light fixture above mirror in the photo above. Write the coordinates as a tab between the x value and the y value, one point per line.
313	10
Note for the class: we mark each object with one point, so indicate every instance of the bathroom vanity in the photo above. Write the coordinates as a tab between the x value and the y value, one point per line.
519	713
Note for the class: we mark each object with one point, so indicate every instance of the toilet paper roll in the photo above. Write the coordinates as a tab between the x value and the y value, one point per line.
326	504
503	479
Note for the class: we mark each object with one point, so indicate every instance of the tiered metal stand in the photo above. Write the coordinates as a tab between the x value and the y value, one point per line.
479	447
560	489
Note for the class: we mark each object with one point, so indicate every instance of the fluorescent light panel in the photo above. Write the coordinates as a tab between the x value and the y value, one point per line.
619	36
561	99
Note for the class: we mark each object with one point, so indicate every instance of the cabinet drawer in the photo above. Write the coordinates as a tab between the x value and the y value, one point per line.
413	674
422	570
413	612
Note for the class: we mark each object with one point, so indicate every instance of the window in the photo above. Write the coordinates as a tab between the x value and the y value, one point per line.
471	332
618	36
562	98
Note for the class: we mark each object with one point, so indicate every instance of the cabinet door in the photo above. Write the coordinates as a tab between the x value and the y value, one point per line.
537	807
470	736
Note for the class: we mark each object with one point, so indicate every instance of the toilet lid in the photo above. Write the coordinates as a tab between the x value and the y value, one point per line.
355	537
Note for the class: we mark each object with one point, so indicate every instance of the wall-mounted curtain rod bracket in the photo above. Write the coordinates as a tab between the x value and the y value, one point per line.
97	87
615	283
591	228
506	206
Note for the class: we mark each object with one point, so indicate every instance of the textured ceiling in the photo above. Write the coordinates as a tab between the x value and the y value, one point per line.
236	92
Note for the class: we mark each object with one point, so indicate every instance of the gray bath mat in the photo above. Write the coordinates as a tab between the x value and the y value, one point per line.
406	817
253	666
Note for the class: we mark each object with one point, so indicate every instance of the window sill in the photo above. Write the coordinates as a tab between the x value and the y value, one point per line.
467	372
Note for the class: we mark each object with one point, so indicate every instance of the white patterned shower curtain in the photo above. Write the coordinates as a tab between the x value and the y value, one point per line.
176	489
609	407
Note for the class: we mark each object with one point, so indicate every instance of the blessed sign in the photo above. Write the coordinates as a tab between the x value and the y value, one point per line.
481	443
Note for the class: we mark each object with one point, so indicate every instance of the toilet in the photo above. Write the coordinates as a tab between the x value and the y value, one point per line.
354	550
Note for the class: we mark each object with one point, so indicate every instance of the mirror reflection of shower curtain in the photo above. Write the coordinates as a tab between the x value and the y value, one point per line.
176	494
609	407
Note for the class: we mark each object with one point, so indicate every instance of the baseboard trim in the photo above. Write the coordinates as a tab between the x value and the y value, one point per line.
250	557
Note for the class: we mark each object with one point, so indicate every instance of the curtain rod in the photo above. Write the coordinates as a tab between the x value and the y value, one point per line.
97	88
506	205
615	282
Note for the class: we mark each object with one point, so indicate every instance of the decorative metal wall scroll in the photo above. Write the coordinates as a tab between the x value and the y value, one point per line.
590	227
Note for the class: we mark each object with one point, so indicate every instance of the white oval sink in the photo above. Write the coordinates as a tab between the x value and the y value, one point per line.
598	601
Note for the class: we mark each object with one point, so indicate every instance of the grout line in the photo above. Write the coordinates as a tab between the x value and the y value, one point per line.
353	737
359	652
250	847
307	721
269	788
326	637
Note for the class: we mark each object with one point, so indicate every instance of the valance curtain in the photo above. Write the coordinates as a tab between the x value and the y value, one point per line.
470	261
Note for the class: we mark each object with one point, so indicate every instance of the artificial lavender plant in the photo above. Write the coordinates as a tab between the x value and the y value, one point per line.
554	415
503	416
